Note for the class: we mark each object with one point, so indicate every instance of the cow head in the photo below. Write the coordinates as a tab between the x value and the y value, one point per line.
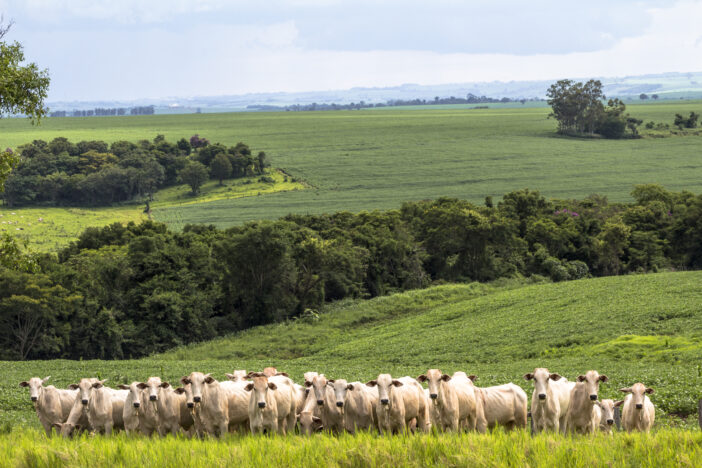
308	381
197	381
434	377
541	378
85	388
134	396
638	394
259	389
36	387
592	381
237	376
340	387
151	388
385	384
319	385
186	390
270	371
66	429
607	407
309	423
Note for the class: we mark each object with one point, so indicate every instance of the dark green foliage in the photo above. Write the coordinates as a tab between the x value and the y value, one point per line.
689	122
95	173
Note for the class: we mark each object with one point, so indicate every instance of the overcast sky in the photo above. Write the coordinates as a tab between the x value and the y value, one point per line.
130	49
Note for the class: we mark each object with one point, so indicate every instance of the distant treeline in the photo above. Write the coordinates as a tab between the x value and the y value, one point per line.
104	112
60	172
469	99
127	291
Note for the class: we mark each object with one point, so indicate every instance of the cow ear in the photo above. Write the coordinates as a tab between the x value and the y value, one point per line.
249	387
349	387
445	377
209	379
250	374
625	390
230	376
422	378
24	384
649	390
272	386
397	383
331	380
372	383
619	403
179	390
142	385
123	387
604	378
528	376
554	376
316	419
284	374
581	378
45	379
308	384
184	380
73	386
472	377
98	384
57	426
164	385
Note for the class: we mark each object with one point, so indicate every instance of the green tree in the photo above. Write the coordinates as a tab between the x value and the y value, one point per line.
194	174
576	106
220	167
643	96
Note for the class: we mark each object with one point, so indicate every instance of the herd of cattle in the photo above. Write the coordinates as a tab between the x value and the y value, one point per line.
270	401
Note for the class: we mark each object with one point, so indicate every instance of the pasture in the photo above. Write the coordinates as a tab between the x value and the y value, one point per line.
632	328
376	159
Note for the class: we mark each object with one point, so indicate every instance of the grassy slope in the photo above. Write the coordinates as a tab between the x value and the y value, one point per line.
496	332
371	159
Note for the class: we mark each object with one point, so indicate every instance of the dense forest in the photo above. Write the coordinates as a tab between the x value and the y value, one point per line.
128	291
60	172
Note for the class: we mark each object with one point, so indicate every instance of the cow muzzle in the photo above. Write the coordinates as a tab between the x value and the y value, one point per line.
320	402
384	401
433	396
197	399
152	397
85	402
610	422
542	396
34	398
261	404
137	404
639	406
190	404
340	404
593	397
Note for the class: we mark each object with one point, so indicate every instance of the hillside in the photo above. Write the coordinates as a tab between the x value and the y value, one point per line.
632	328
364	160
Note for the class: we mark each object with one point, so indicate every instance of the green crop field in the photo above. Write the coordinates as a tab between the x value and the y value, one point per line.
376	159
644	328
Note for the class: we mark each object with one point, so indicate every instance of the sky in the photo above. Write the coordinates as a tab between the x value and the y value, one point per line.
133	49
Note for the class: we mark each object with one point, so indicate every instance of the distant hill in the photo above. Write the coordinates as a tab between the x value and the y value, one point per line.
665	85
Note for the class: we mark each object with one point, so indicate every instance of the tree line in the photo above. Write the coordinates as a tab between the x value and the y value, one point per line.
61	172
130	290
104	112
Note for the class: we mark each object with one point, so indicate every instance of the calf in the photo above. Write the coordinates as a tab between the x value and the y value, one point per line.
211	403
606	409
638	413
271	404
400	401
452	400
550	400
580	415
51	404
503	405
355	401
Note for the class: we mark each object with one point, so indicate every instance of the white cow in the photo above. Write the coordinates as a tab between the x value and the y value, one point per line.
638	413
504	405
51	404
271	404
190	419
356	402
400	401
78	416
237	404
332	416
132	406
238	376
169	406
606	408
580	417
105	405
452	400
211	402
550	400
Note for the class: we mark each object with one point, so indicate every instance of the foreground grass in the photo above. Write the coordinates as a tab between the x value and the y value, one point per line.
663	448
371	159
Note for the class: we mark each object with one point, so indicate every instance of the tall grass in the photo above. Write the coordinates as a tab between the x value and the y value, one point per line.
663	448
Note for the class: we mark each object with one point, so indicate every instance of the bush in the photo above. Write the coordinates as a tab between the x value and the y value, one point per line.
612	127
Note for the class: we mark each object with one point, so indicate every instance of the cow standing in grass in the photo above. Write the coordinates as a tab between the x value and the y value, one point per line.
52	405
582	417
638	413
550	400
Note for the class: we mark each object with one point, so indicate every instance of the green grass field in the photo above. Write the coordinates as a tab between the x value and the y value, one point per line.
633	328
665	448
376	159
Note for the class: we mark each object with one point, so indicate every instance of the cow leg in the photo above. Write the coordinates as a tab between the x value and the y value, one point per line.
108	428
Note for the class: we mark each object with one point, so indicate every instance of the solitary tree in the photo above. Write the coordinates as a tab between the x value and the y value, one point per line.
643	96
654	96
220	167
194	174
